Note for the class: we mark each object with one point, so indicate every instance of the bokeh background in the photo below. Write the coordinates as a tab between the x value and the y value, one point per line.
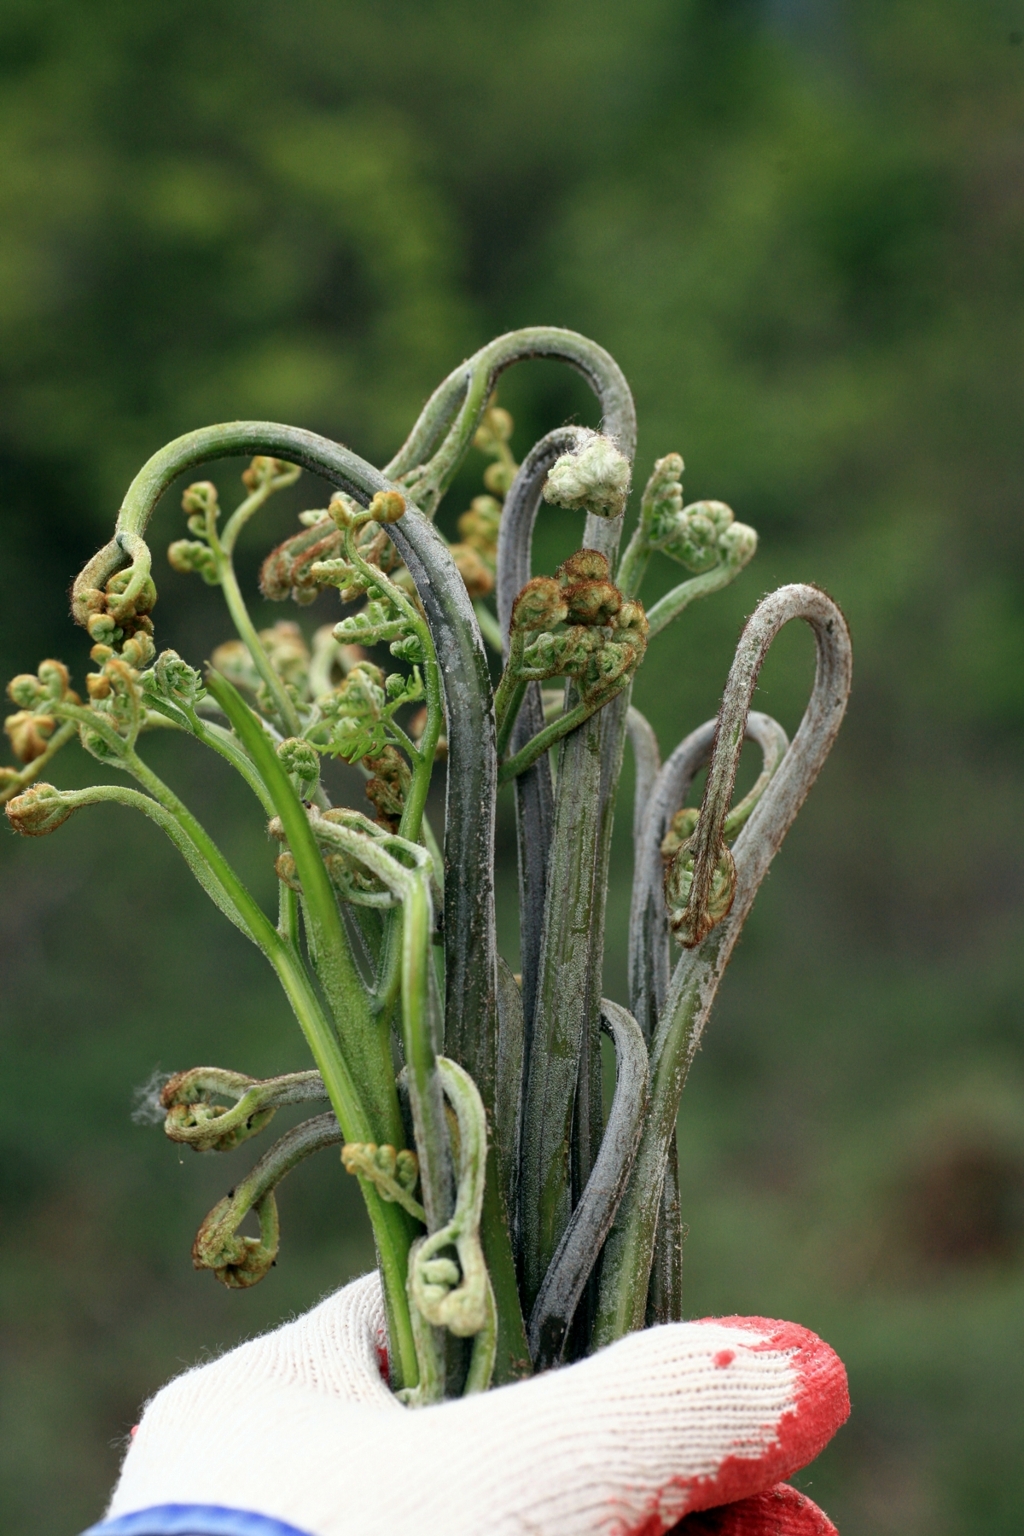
799	226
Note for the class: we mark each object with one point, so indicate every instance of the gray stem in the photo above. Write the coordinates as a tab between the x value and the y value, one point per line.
591	1221
646	763
650	961
697	975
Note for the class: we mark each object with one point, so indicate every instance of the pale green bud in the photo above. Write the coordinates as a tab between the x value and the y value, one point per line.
25	690
346	511
300	761
738	543
704	535
498	478
495	428
409	648
29	732
439	1275
682	828
407	1170
187	556
174	680
662	500
201	498
141	603
55	679
262	469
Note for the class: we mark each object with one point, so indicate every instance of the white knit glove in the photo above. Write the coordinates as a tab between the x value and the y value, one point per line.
297	1434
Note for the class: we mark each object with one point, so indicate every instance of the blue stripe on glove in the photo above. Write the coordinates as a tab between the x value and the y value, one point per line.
193	1520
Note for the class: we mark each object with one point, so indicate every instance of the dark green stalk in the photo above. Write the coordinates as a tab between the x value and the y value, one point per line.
534	791
560	1013
608	728
595	1211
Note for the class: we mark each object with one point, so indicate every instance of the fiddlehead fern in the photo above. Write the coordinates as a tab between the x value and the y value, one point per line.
518	1179
239	1261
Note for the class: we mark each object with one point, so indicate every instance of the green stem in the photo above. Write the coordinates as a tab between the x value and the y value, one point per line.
222	884
511	705
512	1359
365	1044
285	706
420	1055
412	887
226	744
429	1348
508	696
422	757
400	739
411	825
633	564
485	1352
252	503
553	733
288	915
220	741
675	602
432	846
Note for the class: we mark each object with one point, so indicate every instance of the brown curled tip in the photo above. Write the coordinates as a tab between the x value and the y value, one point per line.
39	810
584	565
539	605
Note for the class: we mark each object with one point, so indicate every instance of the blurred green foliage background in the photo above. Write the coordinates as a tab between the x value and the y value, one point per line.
799	226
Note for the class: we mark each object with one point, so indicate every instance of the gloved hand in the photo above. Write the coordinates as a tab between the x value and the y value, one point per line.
297	1434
